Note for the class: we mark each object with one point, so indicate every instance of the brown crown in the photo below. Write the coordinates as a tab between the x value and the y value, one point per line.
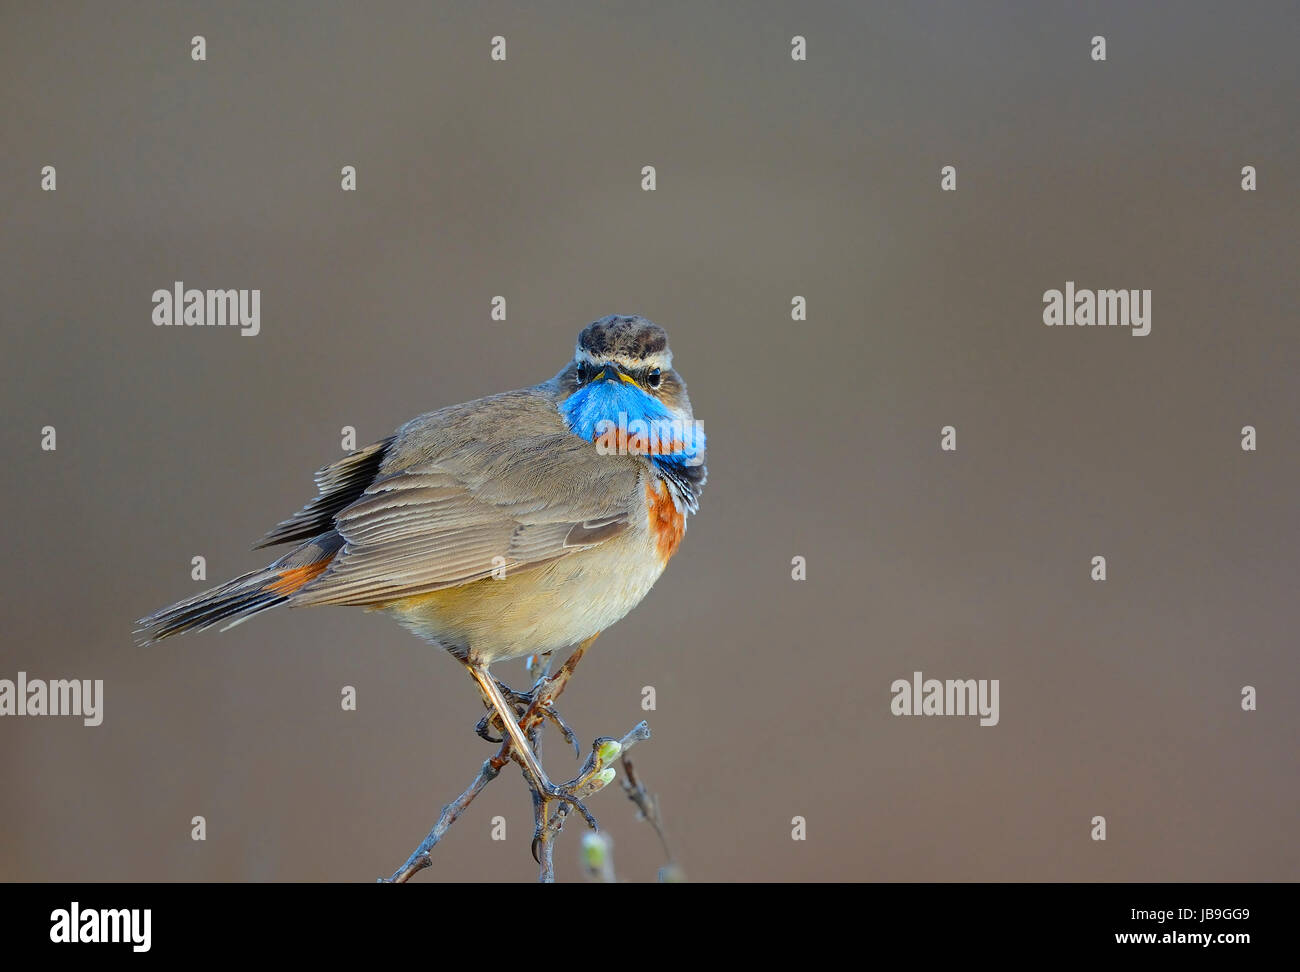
619	336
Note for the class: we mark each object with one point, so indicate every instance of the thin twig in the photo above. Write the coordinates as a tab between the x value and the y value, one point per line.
647	805
420	859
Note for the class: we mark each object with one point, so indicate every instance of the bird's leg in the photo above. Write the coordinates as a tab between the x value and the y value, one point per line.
519	701
540	700
548	687
532	768
522	703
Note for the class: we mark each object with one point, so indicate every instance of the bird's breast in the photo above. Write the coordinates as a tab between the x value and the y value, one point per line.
667	521
557	604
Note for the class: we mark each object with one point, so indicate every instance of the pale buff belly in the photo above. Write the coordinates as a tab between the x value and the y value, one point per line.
540	609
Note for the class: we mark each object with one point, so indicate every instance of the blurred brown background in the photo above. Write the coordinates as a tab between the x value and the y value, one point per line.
776	179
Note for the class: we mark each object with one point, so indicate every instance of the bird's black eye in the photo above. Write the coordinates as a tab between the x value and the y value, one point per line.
582	374
654	378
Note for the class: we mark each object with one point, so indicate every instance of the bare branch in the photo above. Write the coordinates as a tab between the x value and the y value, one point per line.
420	859
647	805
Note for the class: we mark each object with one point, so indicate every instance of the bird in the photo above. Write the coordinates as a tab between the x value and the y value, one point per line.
515	525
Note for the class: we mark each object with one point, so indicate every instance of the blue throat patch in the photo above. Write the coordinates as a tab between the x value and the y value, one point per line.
614	411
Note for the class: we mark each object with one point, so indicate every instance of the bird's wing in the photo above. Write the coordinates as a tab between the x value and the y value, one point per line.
461	493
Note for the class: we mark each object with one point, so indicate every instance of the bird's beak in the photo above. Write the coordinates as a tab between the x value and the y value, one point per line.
612	372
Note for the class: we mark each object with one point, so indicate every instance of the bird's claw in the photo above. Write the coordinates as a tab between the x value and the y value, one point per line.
564	796
544	792
539	701
483	729
569	735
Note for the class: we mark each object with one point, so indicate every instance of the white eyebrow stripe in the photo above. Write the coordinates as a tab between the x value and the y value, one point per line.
660	359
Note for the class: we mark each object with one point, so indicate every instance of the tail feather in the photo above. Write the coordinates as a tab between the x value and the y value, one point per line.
339	484
246	595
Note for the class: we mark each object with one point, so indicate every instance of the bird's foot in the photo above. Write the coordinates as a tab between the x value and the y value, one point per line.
567	795
519	701
548	825
539	701
596	773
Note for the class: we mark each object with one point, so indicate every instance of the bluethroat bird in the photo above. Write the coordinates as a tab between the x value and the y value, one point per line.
515	525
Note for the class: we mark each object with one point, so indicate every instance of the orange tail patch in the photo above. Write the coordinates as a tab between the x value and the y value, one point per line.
293	579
